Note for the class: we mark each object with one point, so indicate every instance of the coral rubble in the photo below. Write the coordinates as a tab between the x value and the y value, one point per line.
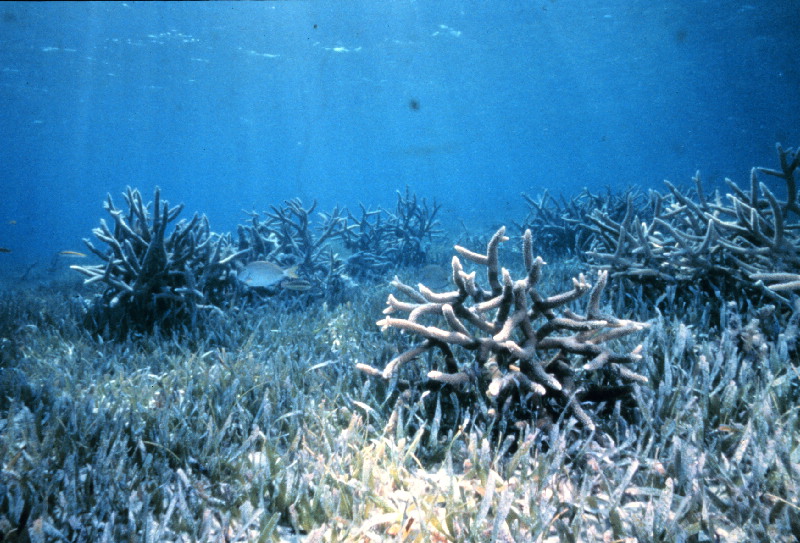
151	278
524	342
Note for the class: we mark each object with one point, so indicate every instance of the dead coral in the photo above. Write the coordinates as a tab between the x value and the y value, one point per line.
525	343
151	278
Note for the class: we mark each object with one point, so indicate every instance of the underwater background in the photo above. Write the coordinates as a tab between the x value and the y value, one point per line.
233	107
297	272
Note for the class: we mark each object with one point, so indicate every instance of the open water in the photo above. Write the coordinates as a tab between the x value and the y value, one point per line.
232	107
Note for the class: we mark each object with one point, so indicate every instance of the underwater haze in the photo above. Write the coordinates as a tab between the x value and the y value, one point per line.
233	107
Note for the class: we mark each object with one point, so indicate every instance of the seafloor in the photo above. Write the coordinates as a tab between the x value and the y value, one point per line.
261	428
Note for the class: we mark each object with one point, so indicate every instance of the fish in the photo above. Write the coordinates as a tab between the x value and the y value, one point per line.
5	250
73	254
300	285
12	222
435	277
263	274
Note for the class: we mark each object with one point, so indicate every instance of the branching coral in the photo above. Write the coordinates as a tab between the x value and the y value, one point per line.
558	221
376	241
706	244
153	278
380	239
413	224
524	343
287	237
370	240
292	227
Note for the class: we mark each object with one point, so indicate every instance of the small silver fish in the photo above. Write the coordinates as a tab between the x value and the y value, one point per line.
300	285
263	274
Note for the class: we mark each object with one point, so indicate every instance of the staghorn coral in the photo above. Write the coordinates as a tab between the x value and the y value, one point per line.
558	221
414	225
151	278
371	242
375	242
287	237
295	239
524	342
710	247
380	239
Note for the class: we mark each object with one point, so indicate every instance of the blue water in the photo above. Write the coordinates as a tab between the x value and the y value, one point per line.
237	106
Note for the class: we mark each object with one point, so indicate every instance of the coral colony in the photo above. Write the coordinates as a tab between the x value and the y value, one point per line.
640	386
150	277
748	240
514	330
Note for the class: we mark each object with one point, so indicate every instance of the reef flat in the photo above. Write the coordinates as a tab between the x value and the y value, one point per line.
610	395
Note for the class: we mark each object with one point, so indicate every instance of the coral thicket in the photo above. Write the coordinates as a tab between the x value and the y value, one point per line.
152	278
